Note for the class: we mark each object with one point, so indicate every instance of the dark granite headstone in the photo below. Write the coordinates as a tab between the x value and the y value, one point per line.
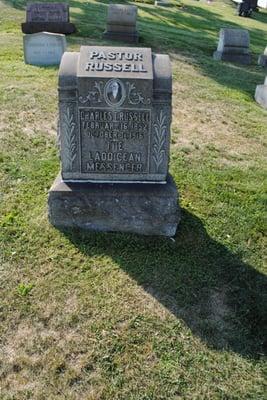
114	135
233	46
121	23
48	17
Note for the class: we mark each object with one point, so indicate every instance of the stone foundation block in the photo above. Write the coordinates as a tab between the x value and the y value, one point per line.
121	36
232	57
141	208
65	28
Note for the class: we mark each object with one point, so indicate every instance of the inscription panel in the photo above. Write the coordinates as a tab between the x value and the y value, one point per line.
114	141
122	14
47	12
119	62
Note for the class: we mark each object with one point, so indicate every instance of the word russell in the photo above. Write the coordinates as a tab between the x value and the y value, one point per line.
120	62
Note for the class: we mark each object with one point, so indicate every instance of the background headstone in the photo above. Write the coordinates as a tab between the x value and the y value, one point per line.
114	134
48	17
261	94
121	23
163	3
233	46
262	3
47	12
263	58
44	48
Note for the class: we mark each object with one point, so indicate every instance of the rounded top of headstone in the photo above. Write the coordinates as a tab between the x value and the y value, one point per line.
68	69
122	14
162	73
233	38
265	51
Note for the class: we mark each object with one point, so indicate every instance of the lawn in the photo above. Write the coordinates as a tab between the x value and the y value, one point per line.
121	317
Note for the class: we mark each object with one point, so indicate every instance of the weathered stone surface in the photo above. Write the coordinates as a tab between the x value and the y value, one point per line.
65	28
263	58
163	3
262	3
261	94
233	46
121	23
47	17
47	12
114	135
122	14
115	114
136	208
44	48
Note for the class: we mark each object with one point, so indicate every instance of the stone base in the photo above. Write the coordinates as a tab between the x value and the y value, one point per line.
65	28
261	95
232	57
126	29
142	208
262	60
122	36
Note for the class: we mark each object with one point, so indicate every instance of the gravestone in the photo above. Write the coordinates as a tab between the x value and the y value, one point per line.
114	135
261	94
163	3
263	58
121	23
44	48
48	17
233	46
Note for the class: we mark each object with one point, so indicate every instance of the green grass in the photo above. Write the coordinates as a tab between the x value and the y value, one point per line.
122	317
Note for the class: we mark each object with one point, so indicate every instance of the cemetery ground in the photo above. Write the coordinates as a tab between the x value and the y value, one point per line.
116	316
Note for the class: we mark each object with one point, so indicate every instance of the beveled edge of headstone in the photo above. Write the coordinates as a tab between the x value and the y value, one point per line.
67	76
46	33
162	72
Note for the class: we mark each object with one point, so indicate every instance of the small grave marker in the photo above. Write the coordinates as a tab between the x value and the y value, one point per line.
44	48
233	46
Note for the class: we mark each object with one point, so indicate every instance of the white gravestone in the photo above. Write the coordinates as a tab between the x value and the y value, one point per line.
263	58
261	94
44	48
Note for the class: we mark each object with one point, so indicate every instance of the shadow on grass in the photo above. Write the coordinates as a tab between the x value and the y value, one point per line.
219	297
191	32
